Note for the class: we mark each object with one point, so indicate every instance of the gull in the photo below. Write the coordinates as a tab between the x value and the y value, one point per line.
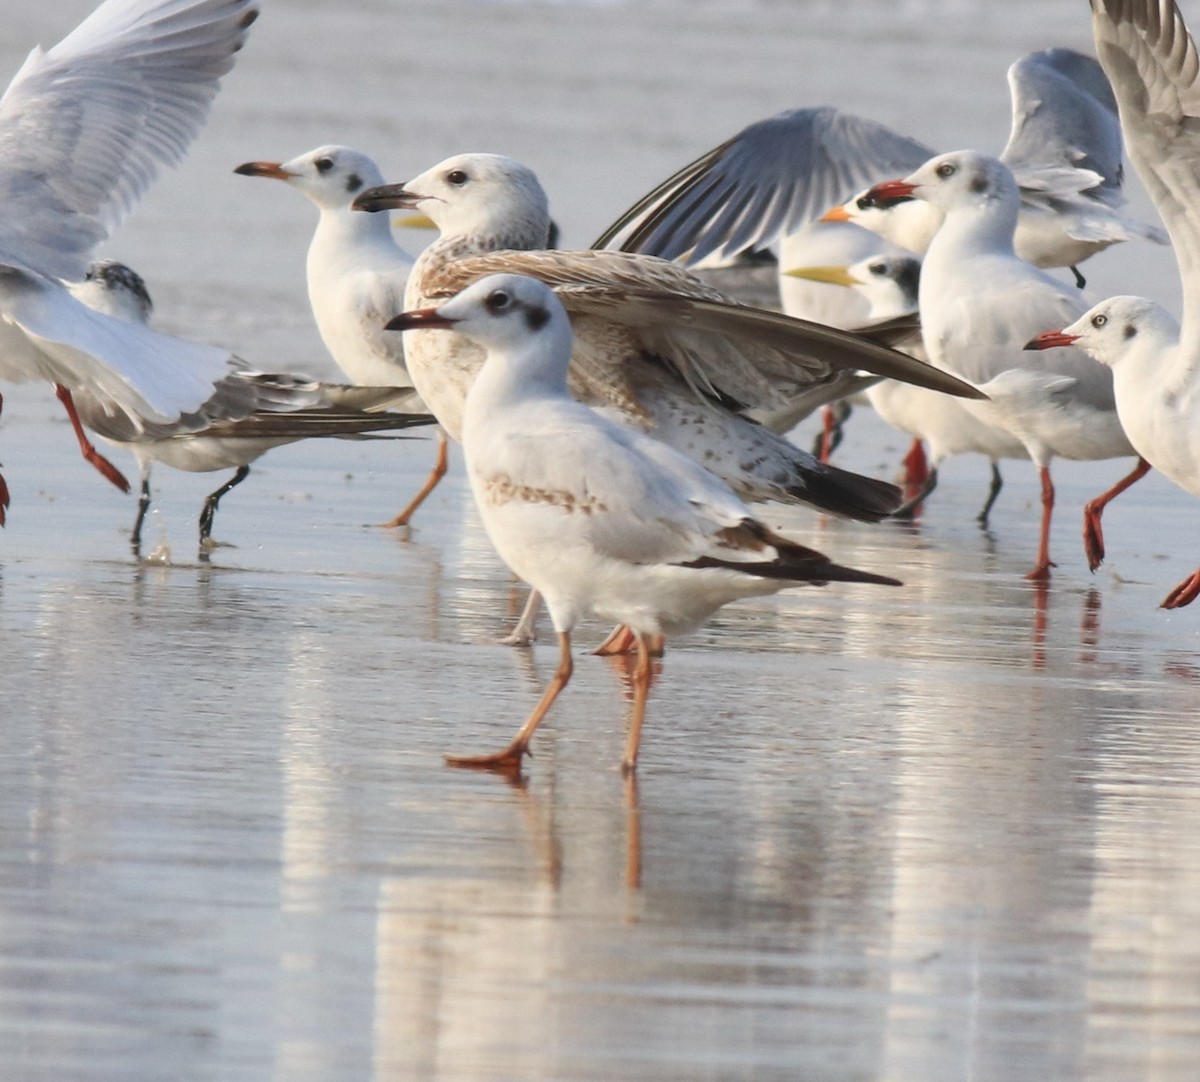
1152	61
249	413
654	345
980	303
598	517
356	276
85	127
889	283
775	176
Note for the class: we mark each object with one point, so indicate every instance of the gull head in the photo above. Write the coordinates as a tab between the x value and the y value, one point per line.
484	196
1114	328
504	313
889	282
962	178
330	176
116	290
890	210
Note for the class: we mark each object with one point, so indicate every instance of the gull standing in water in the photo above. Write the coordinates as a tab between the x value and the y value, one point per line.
356	276
599	518
654	346
980	303
1152	61
85	127
890	284
250	413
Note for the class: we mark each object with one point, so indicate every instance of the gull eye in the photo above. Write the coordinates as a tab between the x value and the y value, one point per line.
497	301
324	165
1099	321
863	202
878	269
456	177
946	170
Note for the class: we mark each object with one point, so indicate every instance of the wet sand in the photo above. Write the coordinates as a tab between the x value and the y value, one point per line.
937	832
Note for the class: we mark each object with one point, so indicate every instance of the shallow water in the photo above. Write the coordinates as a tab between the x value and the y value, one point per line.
940	832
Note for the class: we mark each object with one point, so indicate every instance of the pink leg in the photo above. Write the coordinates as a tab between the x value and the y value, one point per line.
85	445
623	640
440	465
1041	570
1183	594
1093	535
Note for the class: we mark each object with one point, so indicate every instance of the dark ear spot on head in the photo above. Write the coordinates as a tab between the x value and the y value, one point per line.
536	317
353	182
979	183
1130	331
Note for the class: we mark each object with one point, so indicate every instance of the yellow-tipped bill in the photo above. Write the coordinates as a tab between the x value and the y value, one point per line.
834	276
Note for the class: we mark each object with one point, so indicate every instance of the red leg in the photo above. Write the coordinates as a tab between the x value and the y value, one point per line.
1041	570
1093	535
916	468
4	501
85	445
828	425
1183	594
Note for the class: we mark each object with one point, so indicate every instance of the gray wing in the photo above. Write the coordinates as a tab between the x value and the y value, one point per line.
86	126
1064	115
767	181
1153	66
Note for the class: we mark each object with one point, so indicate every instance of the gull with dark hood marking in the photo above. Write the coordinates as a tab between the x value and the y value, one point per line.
1154	66
250	413
356	274
599	518
980	303
86	126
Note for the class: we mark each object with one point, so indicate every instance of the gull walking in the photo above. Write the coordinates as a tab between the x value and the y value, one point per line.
249	414
86	126
1153	63
599	518
356	276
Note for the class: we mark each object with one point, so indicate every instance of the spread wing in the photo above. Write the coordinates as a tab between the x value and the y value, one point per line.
86	126
765	182
628	308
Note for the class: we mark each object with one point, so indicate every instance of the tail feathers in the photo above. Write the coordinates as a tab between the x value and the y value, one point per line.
792	562
851	495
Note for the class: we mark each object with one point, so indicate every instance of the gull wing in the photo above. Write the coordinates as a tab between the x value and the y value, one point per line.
765	182
626	308
150	376
1064	114
86	126
1152	64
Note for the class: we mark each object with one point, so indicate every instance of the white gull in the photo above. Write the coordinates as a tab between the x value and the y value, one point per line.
597	517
